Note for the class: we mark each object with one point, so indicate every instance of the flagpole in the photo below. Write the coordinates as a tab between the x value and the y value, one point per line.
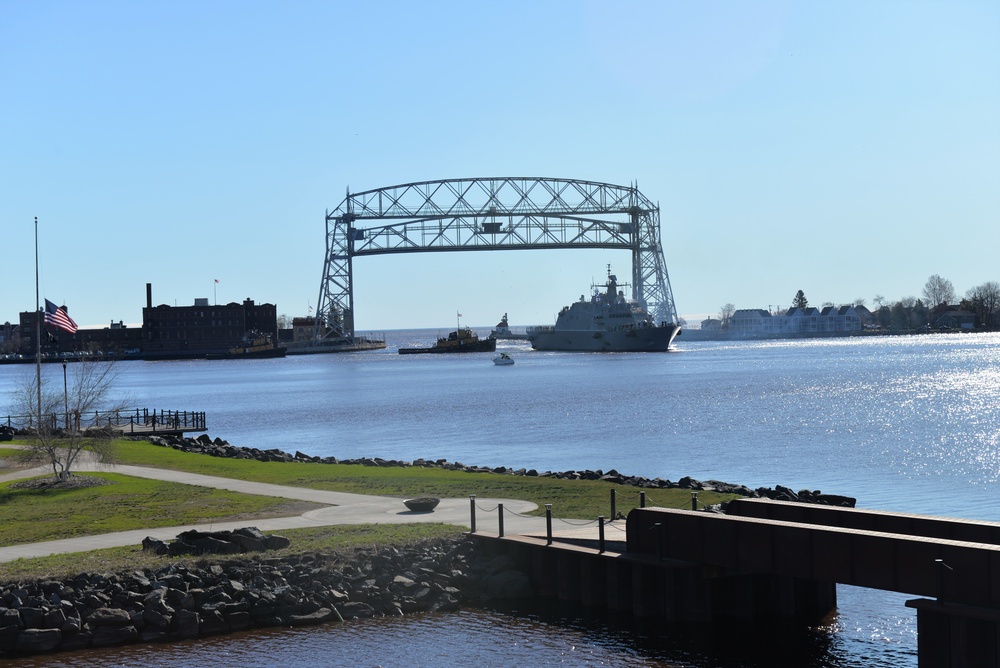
38	334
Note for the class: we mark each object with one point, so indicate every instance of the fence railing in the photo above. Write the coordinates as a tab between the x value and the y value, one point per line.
601	521
128	421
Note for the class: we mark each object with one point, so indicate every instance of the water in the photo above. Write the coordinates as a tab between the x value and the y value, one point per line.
902	423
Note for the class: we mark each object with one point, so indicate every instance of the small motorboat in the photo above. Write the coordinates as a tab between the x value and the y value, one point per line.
503	359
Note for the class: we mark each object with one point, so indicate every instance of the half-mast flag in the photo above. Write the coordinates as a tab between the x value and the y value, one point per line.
57	317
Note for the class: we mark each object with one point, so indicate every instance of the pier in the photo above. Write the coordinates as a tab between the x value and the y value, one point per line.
140	421
768	560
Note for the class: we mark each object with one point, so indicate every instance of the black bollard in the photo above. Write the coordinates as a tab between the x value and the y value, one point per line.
472	512
600	534
548	523
642	499
694	500
500	515
613	500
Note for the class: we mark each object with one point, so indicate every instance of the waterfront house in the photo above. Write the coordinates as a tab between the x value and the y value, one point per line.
956	319
797	321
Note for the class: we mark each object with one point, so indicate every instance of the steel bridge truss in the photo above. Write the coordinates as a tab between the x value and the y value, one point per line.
490	214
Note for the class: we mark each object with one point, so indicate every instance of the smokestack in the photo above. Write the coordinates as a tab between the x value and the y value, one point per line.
149	295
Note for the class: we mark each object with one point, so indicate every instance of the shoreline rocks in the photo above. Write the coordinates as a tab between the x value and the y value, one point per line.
180	602
217	447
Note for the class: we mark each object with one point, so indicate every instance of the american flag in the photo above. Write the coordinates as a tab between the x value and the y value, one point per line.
57	317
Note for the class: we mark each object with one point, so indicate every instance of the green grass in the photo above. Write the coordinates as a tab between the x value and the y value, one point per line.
32	515
342	539
580	499
36	515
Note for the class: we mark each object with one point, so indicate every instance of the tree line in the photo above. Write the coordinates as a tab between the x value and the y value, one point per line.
938	297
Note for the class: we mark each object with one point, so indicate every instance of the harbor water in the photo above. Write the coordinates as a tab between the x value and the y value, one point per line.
909	424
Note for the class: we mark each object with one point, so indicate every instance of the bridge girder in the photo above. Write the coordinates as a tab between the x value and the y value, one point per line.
500	213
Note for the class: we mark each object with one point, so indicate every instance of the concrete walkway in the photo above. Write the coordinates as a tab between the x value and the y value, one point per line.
341	508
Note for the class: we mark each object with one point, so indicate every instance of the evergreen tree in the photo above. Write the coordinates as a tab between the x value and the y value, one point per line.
800	300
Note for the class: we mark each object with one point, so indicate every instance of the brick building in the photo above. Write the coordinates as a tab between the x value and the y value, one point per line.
203	328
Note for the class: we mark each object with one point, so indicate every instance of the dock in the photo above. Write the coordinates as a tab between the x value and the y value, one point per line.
137	421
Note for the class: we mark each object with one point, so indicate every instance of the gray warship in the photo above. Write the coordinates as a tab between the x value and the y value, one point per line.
607	322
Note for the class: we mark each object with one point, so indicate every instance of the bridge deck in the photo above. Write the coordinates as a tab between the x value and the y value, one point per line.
955	570
868	520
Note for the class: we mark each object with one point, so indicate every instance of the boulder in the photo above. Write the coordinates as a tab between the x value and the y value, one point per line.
32	618
154	545
186	624
250	539
107	636
277	542
38	640
355	610
316	617
109	617
8	637
212	623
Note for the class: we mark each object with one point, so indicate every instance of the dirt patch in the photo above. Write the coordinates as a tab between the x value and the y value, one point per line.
72	482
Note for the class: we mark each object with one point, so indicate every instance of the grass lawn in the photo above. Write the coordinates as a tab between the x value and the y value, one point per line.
340	539
31	515
579	499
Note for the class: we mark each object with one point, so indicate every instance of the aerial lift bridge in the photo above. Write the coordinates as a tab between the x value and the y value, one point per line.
490	214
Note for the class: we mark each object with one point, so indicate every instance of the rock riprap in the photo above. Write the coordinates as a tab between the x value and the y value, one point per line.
180	602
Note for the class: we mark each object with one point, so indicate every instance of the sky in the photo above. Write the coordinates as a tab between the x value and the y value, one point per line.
847	149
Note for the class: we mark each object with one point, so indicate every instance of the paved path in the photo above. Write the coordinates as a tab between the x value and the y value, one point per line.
340	508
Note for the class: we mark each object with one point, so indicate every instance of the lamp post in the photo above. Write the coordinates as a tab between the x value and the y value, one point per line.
65	397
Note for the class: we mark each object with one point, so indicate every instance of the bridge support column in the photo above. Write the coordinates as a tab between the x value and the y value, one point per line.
953	635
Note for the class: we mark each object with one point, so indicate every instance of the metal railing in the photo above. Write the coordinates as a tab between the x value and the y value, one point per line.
133	420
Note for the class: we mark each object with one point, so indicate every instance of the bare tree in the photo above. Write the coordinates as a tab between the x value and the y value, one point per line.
984	299
879	301
726	314
62	424
860	301
938	290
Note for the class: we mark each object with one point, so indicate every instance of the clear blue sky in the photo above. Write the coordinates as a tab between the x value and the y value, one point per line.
846	149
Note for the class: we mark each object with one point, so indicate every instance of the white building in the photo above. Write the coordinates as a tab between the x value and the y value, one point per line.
758	322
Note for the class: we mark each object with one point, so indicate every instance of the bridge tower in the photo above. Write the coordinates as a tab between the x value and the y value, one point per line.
490	214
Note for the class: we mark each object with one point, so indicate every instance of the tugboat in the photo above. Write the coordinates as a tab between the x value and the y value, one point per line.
502	331
607	322
253	346
462	340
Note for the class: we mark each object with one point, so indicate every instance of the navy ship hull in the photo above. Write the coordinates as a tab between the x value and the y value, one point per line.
647	339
